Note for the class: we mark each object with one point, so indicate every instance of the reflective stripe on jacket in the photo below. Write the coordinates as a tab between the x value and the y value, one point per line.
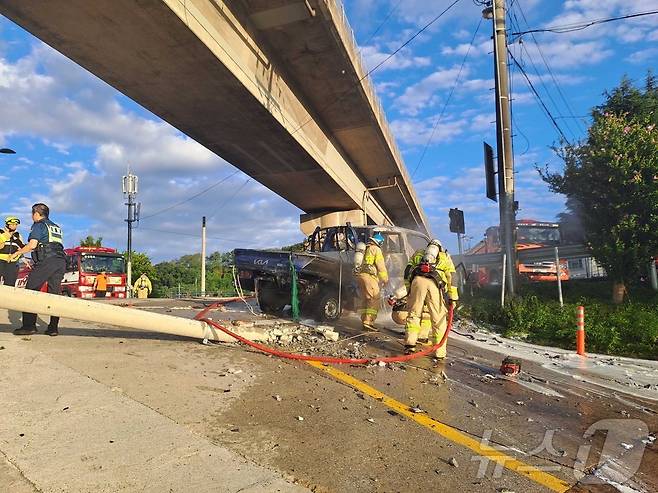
444	269
373	263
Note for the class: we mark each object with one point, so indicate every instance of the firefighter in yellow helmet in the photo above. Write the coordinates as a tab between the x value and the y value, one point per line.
10	242
371	275
429	277
143	286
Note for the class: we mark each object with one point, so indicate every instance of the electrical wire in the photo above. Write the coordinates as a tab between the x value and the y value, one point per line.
388	16
180	233
229	198
447	101
539	99
552	75
372	70
579	26
191	197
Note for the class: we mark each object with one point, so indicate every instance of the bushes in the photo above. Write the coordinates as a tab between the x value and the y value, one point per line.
630	329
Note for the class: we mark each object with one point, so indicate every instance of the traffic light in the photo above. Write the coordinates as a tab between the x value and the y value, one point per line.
456	221
489	172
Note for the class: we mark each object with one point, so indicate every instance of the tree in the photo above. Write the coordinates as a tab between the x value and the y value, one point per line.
90	241
141	264
611	180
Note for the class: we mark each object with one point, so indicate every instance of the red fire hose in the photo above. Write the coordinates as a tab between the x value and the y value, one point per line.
324	359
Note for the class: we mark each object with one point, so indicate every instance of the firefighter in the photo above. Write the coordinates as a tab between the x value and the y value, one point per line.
10	242
47	247
371	275
429	277
143	286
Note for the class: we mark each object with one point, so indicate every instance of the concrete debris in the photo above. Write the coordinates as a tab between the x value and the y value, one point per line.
233	371
453	462
300	418
627	446
649	440
417	410
520	403
277	397
504	490
625	413
370	420
473	403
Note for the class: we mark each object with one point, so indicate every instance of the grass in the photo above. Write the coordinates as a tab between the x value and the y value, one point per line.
630	329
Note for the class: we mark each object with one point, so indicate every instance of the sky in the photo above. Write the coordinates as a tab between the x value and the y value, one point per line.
75	135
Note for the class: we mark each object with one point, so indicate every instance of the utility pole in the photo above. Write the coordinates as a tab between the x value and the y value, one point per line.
129	185
504	140
203	256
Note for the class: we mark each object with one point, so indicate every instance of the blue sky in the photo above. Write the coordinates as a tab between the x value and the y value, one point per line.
75	135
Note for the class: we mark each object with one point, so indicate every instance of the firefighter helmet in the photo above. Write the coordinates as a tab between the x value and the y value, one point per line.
377	238
12	220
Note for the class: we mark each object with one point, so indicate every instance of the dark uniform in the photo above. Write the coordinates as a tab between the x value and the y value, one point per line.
49	266
9	270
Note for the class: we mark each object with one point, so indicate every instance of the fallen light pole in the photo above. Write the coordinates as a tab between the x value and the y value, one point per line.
23	300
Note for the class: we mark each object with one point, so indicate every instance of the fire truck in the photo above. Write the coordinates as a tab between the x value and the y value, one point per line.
530	234
83	264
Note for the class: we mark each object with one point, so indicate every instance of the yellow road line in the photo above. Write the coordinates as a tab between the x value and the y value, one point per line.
533	473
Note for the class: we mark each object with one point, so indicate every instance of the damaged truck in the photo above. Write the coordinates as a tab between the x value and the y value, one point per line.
323	270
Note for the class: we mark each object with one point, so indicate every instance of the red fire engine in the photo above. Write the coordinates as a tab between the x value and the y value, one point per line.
82	266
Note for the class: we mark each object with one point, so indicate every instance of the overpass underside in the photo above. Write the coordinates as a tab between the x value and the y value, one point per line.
272	86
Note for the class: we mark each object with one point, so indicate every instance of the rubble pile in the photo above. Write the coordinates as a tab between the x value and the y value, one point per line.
307	338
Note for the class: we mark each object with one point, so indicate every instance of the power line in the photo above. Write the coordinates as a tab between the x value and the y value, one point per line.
191	197
180	233
539	99
579	26
229	198
541	54
447	101
372	70
388	16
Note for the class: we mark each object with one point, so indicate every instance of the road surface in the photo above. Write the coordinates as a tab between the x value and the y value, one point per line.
104	409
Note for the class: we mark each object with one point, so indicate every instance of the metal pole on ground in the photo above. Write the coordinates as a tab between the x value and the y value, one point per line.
203	256
504	140
129	185
502	281
558	270
580	331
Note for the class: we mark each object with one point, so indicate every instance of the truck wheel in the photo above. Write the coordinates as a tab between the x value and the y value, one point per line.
328	307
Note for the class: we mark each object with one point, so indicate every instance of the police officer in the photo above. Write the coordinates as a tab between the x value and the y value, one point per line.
370	275
429	275
45	243
10	242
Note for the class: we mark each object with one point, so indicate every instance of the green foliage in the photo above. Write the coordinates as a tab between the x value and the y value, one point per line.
140	264
630	329
186	271
90	241
611	180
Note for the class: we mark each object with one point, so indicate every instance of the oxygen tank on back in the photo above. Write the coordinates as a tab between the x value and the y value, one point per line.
358	256
431	253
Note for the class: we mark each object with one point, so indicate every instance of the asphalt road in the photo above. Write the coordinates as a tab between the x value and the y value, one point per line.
102	409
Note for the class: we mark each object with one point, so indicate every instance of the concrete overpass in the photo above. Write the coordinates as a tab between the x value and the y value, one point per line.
272	86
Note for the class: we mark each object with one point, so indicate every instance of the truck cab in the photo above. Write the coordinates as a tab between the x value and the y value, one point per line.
326	284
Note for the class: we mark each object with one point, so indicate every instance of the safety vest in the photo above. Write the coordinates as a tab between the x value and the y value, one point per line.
373	263
12	243
440	270
54	247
